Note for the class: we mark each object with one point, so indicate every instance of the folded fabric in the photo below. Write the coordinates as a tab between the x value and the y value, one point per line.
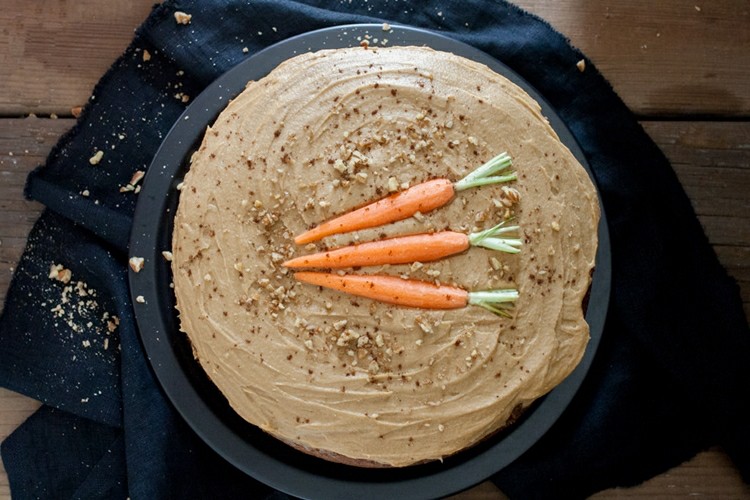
670	377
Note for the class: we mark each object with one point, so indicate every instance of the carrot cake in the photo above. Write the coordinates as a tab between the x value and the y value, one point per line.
353	379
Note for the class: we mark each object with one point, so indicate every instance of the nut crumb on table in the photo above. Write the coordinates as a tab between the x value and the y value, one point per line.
182	17
94	160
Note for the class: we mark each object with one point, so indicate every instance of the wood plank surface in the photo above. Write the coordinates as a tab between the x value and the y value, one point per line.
670	57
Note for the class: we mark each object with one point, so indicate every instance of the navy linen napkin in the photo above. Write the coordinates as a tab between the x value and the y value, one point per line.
670	378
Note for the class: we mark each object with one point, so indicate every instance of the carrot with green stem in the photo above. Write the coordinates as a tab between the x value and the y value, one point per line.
424	247
411	293
423	197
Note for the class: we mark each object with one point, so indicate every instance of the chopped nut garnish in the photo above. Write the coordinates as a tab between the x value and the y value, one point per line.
167	255
496	265
140	299
182	17
392	184
361	177
386	27
146	55
85	193
76	111
555	225
423	325
441	427
136	264
94	160
581	65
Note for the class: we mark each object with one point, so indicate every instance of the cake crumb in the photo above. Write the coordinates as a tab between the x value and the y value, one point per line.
146	55
182	17
581	65
94	160
136	264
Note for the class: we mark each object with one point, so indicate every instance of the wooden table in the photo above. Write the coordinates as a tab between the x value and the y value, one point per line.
682	67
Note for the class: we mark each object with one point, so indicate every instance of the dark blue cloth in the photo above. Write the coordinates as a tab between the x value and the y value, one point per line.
671	376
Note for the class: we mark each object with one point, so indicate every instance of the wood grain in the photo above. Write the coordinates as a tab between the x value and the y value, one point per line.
705	155
670	57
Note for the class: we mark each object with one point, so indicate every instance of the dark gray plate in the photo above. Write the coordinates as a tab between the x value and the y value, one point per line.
204	407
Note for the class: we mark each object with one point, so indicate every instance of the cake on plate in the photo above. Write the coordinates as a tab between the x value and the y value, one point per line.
351	378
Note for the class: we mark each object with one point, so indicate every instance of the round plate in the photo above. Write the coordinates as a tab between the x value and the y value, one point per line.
199	401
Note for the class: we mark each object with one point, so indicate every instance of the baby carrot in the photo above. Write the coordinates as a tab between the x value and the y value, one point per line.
391	289
410	293
405	249
423	197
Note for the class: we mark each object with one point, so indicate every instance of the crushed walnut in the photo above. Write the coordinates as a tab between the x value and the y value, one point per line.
182	17
59	273
133	184
94	160
136	264
80	311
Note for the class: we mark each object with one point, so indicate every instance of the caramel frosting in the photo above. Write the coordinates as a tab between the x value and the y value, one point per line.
349	377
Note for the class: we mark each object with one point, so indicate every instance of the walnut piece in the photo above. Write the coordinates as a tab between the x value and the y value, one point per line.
136	264
182	17
94	160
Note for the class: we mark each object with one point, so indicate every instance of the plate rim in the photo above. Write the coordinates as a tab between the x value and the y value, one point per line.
185	398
